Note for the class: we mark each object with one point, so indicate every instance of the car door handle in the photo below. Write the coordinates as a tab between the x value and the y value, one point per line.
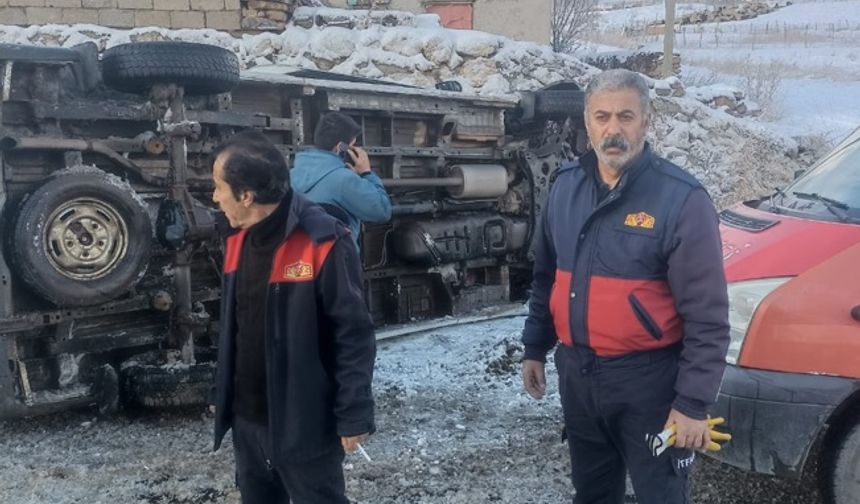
855	313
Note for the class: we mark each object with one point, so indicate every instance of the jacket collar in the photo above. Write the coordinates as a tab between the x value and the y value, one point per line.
298	204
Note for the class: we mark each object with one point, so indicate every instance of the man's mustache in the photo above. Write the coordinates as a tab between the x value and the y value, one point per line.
617	142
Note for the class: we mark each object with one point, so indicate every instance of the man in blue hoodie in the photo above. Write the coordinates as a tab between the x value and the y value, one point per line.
337	173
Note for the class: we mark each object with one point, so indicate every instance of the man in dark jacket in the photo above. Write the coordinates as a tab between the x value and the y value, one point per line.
337	172
296	351
628	278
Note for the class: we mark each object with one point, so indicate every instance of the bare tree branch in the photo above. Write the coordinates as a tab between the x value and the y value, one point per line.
570	20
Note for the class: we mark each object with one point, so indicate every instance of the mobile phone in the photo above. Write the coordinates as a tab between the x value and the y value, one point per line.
343	152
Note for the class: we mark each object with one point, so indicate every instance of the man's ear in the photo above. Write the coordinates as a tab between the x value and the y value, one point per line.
247	198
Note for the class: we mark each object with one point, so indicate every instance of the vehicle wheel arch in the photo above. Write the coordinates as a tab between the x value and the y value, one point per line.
840	424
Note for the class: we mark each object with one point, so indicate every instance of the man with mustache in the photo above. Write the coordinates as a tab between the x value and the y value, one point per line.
628	279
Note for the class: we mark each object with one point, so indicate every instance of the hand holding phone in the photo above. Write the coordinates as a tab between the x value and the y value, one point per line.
358	160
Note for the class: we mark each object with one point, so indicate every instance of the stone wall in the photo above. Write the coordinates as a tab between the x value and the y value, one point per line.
226	15
649	63
722	14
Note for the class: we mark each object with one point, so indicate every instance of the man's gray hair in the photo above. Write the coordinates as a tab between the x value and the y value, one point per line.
618	79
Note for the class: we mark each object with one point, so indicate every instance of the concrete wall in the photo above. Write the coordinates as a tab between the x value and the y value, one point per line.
217	14
518	19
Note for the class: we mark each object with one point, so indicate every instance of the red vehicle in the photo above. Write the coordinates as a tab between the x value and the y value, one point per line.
791	391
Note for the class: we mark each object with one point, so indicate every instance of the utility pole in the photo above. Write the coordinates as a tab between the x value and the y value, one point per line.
668	38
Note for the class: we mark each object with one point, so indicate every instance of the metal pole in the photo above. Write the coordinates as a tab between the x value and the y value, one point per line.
178	192
423	182
5	273
669	38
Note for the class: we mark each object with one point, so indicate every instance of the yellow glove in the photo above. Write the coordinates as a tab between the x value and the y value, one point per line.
715	434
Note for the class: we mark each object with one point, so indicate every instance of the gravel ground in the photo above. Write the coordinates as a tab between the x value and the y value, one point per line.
454	427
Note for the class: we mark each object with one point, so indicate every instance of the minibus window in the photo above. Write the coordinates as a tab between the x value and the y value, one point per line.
831	190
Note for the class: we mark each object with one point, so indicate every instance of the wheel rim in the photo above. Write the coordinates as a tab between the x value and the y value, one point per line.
86	238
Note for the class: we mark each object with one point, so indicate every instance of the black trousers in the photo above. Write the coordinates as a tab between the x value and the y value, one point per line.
609	405
319	481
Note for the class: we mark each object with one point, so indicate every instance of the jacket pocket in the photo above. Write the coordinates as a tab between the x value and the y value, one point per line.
644	318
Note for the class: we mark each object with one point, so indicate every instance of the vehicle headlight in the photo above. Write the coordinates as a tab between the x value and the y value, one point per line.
744	298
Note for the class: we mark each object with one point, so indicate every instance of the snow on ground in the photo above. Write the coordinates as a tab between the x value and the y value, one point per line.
810	47
454	427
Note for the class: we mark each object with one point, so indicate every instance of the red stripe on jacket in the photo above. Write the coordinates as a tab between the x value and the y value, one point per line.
559	306
614	328
234	251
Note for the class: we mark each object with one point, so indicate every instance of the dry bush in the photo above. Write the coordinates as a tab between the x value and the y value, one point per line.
699	78
571	19
761	83
759	168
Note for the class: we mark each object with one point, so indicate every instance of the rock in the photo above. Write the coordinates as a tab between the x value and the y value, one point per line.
477	71
293	40
260	23
438	49
402	41
334	18
496	85
303	18
150	36
477	44
724	101
331	44
662	88
265	46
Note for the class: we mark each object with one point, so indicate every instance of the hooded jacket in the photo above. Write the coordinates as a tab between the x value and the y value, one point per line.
323	177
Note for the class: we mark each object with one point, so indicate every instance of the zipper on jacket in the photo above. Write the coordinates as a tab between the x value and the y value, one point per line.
595	229
267	352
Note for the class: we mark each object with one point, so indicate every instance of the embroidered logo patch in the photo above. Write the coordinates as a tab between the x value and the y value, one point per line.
298	270
640	220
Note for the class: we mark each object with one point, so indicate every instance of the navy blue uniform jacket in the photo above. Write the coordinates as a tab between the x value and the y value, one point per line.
636	270
319	342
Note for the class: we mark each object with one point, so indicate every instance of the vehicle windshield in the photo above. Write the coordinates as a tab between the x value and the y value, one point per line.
831	189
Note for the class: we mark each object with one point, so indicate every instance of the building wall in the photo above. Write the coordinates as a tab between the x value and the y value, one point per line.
225	15
517	19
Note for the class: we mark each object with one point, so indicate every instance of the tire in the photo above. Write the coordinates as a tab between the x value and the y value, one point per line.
842	473
82	239
151	386
200	68
559	103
